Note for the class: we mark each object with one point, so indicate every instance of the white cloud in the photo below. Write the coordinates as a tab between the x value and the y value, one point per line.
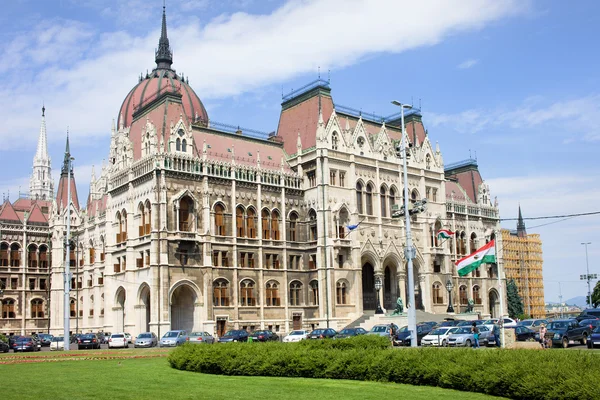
230	55
468	64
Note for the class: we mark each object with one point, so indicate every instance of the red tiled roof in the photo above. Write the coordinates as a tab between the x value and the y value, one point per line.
97	207
36	215
469	180
24	204
452	186
62	195
7	213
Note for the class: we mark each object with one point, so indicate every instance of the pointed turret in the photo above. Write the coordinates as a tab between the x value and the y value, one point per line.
164	55
62	196
521	231
41	185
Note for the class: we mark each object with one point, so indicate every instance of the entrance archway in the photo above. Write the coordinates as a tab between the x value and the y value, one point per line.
390	287
120	317
182	308
145	312
494	304
368	287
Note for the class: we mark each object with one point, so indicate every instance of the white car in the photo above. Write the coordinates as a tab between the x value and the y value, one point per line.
117	340
509	323
128	336
57	343
438	336
296	336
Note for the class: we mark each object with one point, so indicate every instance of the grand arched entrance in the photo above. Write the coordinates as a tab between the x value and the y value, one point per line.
390	287
494	304
368	287
120	312
182	308
145	309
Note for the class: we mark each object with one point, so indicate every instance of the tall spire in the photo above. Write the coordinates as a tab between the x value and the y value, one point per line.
42	147
66	163
64	183
521	232
41	185
164	55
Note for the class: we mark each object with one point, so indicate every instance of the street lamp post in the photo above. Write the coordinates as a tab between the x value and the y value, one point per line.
379	310
449	287
409	252
587	277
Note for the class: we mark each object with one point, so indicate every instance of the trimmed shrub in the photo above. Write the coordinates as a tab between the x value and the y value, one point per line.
518	374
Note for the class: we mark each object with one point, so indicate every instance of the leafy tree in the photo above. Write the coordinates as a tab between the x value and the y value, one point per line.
596	295
515	303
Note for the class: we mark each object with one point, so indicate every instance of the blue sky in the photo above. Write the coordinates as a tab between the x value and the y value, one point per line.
515	82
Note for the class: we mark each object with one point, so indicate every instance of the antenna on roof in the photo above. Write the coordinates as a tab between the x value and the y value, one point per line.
475	155
329	76
469	153
319	71
420	104
282	91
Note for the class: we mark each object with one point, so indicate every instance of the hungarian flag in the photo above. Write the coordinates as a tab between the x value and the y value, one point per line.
444	234
486	254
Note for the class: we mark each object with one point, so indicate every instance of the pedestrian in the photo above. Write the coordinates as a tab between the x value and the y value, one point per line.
475	332
543	331
496	332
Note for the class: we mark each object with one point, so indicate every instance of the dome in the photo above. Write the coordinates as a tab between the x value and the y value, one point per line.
162	81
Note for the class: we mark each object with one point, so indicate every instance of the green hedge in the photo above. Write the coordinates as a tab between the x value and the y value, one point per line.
518	374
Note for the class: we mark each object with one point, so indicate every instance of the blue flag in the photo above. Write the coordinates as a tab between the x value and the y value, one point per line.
352	227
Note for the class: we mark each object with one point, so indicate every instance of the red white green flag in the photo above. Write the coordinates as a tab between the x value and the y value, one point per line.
444	234
484	255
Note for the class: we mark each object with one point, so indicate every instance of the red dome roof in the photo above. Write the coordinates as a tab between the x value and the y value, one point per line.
157	84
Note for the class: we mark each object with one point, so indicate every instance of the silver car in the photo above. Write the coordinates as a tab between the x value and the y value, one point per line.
200	338
383	330
464	337
146	339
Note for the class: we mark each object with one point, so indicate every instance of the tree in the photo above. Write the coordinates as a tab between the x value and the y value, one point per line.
515	303
596	295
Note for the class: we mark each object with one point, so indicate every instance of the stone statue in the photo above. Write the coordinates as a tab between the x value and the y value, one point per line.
470	305
399	307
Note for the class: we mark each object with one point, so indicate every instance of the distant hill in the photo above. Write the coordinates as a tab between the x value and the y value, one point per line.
577	301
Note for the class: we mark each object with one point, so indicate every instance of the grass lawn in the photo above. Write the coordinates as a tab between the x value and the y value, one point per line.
152	378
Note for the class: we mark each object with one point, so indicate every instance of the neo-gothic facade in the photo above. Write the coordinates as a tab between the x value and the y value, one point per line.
194	224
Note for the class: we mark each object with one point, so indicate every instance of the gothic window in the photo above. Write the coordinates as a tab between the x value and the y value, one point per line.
314	293
73	308
476	295
186	208
8	308
272	294
334	141
32	256
462	293
414	196
275	221
184	145
15	255
178	144
251	220
369	199
148	214
3	255
293	230
239	222
221	293
383	201
437	293
473	243
341	295
427	161
219	220
312	226
295	293
359	197
265	224
247	293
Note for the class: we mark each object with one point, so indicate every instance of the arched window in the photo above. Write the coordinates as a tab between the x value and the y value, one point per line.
219	220
293	230
476	295
473	243
414	196
184	145
359	197
340	291
141	227
186	209
334	141
427	161
92	253
3	255
369	199
275	221
73	308
383	202
295	293
8	308
32	256
437	293
178	144
15	255
43	257
314	293
272	294
247	293
123	226
265	224
91	312
239	221
221	293
463	243
462	294
148	212
312	226
251	220
436	228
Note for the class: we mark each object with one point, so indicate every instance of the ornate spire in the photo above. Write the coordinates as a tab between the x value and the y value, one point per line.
66	163
42	147
41	185
521	232
164	55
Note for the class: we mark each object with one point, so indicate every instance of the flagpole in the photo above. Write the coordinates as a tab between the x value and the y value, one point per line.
503	344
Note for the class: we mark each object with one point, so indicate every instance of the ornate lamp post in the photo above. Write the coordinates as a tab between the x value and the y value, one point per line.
449	287
379	310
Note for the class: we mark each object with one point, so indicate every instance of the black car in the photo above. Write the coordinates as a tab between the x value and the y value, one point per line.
45	339
523	333
236	335
4	348
88	341
450	322
349	332
566	330
403	337
322	333
594	339
589	313
264	336
26	343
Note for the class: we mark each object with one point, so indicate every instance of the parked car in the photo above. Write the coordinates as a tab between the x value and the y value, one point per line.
509	322
322	333
565	330
128	336
146	339
477	322
264	336
404	338
350	332
57	343
438	336
449	322
386	330
4	348
464	337
235	335
296	336
102	337
489	323
117	340
523	333
173	338
200	338
45	339
106	336
432	324
589	313
26	343
88	341
533	324
590	323
594	338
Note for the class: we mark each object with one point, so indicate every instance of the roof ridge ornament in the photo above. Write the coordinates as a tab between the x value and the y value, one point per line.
164	55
